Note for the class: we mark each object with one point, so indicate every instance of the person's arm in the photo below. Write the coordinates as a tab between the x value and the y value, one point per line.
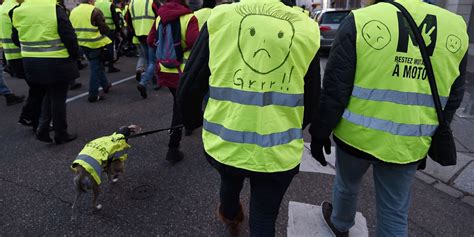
338	82
312	90
15	37
115	16
128	19
457	92
98	20
192	33
194	83
66	33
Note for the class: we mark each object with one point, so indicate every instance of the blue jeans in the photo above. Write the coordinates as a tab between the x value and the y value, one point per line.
150	70
4	90
97	77
392	192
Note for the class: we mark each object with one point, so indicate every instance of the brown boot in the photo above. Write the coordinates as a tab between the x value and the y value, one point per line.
232	225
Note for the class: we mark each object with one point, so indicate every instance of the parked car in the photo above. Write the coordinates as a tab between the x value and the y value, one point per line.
329	21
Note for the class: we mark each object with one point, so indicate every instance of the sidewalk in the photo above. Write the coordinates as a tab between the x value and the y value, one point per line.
458	181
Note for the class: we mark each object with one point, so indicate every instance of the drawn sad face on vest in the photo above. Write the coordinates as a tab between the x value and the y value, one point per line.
265	37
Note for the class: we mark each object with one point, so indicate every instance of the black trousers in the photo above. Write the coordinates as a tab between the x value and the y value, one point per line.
266	193
54	108
32	109
175	134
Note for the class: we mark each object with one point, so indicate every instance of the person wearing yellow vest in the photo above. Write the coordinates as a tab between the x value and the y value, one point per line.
140	18
258	60
113	22
176	16
203	14
377	100
89	23
49	49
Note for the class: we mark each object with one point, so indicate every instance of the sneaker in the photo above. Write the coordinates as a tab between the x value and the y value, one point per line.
142	91
65	138
75	86
326	211
93	99
13	99
113	69
81	65
233	226
44	137
174	155
25	122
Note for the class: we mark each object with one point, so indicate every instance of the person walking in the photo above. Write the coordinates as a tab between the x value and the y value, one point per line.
174	15
112	20
140	18
258	60
49	50
91	32
377	100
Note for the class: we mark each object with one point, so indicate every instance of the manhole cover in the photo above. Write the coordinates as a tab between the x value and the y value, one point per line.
143	192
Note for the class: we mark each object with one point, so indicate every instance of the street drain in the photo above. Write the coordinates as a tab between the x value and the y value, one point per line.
142	192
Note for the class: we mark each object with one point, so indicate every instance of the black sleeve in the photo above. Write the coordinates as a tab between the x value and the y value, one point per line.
457	92
194	84
338	81
15	37
115	16
66	33
312	90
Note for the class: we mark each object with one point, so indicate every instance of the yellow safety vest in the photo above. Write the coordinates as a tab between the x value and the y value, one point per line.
104	6
260	51
391	114
183	22
37	26
202	15
96	154
88	35
142	15
9	48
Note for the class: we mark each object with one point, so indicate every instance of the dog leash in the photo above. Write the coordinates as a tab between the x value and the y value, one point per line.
153	131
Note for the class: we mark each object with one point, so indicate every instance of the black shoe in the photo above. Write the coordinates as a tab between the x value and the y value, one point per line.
174	155
142	91
188	132
156	88
93	99
107	89
65	138
138	76
13	99
113	69
75	86
44	137
326	211
25	122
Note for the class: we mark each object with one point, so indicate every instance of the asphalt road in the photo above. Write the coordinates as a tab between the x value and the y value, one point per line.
153	197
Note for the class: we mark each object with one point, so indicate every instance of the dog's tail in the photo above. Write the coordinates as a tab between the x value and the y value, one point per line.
79	182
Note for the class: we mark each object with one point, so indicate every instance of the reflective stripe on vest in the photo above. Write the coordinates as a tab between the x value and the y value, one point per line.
104	6
94	164
391	113
9	48
37	26
141	12
255	112
88	35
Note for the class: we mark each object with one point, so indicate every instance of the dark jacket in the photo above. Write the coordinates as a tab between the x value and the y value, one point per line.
53	70
339	81
194	84
98	19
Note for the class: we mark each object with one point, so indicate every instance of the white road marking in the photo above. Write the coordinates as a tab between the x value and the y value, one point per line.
87	93
307	220
309	164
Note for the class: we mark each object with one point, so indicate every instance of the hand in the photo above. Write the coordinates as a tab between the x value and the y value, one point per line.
317	150
427	35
